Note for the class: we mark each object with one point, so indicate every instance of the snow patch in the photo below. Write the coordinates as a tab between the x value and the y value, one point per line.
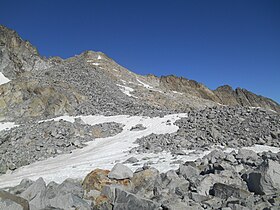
144	84
3	79
126	90
99	57
100	153
177	92
106	152
7	125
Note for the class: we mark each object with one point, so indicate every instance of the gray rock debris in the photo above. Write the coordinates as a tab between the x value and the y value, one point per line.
233	127
212	182
35	141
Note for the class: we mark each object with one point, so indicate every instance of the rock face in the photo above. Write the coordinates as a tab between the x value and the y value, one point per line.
223	95
243	97
18	56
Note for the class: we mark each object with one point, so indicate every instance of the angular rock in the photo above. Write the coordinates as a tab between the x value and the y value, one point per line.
225	191
123	200
9	201
266	180
120	171
145	182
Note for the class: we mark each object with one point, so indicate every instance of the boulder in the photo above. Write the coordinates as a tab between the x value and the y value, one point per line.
227	177
175	184
98	178
266	180
9	201
225	191
132	160
145	182
68	201
37	188
123	200
120	171
189	172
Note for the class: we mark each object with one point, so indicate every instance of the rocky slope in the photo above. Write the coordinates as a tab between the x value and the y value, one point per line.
92	83
35	90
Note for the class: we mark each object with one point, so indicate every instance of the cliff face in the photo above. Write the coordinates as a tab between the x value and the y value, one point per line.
18	56
243	97
224	95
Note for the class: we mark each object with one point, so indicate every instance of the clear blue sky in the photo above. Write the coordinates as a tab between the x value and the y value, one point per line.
235	42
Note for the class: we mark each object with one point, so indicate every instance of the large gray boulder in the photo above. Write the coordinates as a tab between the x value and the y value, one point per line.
120	171
225	191
189	172
175	184
225	177
266	180
37	188
123	200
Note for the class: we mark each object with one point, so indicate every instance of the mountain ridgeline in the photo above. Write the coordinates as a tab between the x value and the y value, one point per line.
93	83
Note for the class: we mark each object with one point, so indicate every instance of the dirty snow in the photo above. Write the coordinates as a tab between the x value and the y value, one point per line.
3	79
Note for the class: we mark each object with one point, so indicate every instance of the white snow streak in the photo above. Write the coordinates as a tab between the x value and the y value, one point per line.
177	92
3	79
126	90
144	84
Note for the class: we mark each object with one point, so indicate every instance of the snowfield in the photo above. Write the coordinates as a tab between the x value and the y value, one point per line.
104	153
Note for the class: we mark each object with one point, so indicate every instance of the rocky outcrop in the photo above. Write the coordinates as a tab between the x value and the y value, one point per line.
224	95
30	98
189	87
18	56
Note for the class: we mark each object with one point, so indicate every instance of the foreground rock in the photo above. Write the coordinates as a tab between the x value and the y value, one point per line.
217	181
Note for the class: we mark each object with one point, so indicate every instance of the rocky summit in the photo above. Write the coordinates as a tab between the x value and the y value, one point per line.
87	133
